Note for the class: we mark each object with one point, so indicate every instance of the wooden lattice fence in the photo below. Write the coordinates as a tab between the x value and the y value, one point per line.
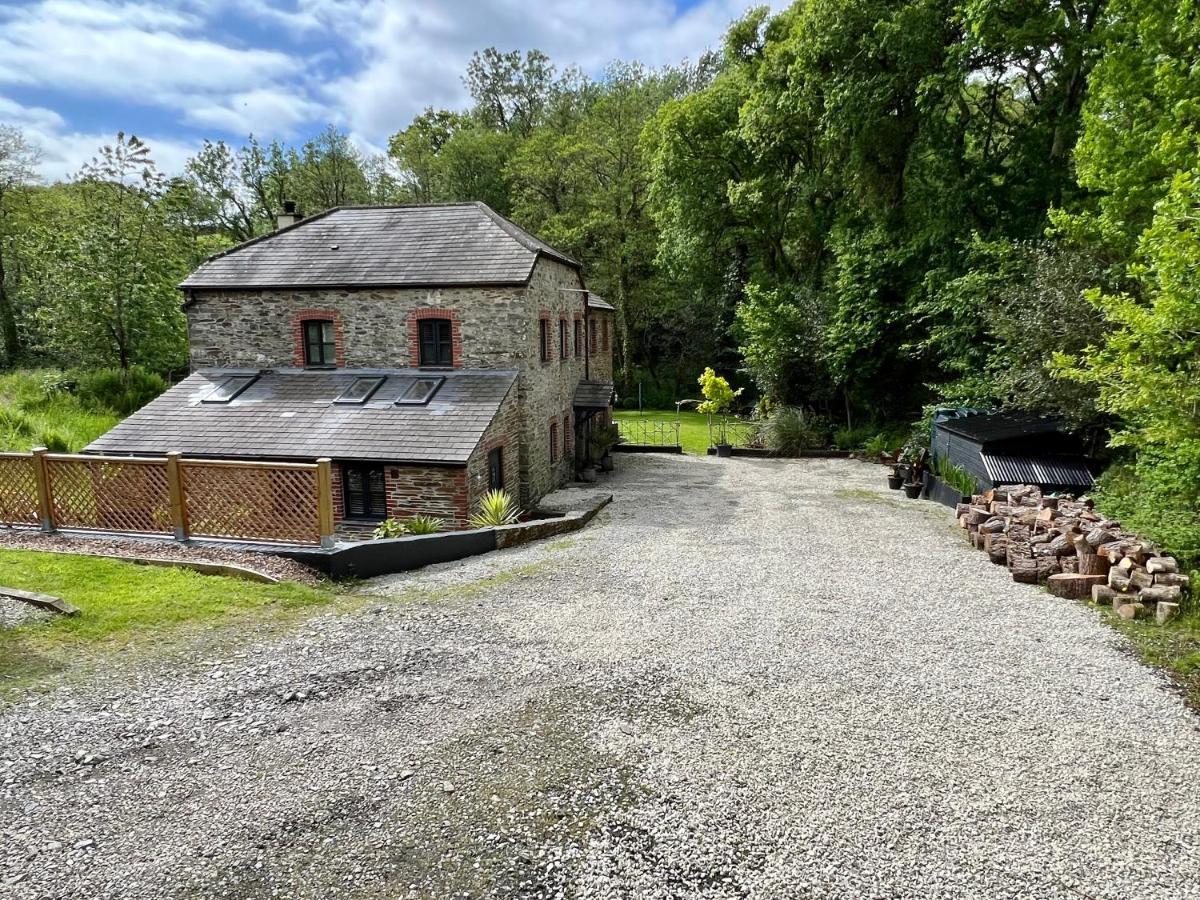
168	495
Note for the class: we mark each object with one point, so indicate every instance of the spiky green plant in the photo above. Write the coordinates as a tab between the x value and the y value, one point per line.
495	508
425	525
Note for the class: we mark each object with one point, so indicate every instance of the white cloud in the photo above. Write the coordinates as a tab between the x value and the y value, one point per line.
365	65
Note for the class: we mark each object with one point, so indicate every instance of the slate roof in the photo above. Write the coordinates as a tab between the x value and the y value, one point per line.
595	301
988	427
382	246
593	395
290	414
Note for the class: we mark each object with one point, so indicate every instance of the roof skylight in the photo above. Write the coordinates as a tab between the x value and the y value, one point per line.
361	389
229	388
420	391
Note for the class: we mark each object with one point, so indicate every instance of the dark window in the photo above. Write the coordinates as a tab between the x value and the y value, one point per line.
553	442
319	346
604	340
592	336
421	390
437	342
229	388
563	347
364	491
360	389
544	337
566	436
579	337
496	469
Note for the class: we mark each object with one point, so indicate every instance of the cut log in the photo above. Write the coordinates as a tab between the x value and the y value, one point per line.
1047	566
1024	570
1073	587
1173	578
1132	611
1126	564
993	525
1069	564
1165	612
1090	562
1063	544
977	516
1141	577
1160	593
1118	580
1098	536
1164	565
1103	594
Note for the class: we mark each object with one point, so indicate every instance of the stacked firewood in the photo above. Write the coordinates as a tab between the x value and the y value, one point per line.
1074	551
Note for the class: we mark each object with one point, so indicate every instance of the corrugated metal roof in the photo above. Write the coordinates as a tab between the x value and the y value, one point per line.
593	395
1001	426
291	414
1056	471
382	246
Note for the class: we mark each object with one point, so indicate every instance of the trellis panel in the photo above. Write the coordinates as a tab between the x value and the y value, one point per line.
251	501
109	493
18	490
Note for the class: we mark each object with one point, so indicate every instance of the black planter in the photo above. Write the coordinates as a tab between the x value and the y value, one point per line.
902	470
895	482
945	494
912	490
724	450
606	463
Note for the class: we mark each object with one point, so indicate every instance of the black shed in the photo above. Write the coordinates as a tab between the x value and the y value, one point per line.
1012	448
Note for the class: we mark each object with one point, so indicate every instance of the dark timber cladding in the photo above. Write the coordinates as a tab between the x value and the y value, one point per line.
298	414
382	246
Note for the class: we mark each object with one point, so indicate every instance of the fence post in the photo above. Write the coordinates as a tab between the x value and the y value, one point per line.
179	519
42	477
325	501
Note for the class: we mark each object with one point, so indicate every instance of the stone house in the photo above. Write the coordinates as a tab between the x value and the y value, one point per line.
432	352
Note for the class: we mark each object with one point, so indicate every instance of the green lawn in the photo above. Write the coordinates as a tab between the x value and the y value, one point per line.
693	426
33	413
127	607
1174	648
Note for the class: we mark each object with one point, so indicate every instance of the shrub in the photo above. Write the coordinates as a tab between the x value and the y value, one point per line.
853	438
887	442
390	528
121	391
789	431
495	508
55	441
425	525
718	397
956	476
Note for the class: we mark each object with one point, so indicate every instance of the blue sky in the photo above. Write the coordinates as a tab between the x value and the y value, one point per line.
73	72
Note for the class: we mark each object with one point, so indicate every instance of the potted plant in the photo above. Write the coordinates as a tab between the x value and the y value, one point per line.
895	479
912	489
718	397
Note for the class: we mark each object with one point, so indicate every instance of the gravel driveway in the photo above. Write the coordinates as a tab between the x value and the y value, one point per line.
745	679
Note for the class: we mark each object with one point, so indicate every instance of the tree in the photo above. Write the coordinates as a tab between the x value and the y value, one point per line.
510	91
114	258
18	169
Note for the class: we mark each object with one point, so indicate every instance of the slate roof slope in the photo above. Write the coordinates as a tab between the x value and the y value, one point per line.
593	395
988	427
595	301
290	414
382	246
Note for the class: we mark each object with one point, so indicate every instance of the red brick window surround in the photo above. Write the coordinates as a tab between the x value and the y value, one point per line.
578	335
299	321
592	329
553	441
414	336
604	339
567	435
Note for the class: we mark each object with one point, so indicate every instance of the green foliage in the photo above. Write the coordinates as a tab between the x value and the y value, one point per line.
886	442
791	430
37	409
116	390
1158	495
956	476
718	395
854	438
391	528
495	508
425	524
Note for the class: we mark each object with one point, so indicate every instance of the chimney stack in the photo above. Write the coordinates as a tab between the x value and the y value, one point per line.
289	216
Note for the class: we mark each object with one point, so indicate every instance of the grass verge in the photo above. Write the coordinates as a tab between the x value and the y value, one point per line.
1174	648
126	607
693	426
33	413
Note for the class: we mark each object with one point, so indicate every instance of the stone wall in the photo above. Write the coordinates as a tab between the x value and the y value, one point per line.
258	329
601	364
439	491
547	388
503	433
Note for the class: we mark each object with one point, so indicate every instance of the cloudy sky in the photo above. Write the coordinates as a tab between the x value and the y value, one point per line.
73	72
